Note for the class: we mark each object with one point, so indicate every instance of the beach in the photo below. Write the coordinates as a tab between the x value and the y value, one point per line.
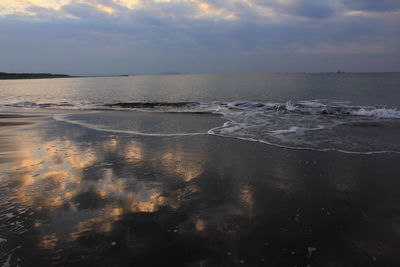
71	195
200	133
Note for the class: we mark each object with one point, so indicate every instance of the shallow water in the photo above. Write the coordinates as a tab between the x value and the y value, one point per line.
145	123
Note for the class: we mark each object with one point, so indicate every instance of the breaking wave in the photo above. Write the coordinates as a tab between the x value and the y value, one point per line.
317	124
300	107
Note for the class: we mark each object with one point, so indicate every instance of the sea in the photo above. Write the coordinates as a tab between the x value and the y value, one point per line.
346	112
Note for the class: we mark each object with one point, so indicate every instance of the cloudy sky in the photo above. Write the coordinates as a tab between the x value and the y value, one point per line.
94	37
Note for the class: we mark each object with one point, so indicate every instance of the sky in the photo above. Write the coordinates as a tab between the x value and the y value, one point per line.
110	37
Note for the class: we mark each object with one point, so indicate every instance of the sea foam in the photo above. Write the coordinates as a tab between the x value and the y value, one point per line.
309	124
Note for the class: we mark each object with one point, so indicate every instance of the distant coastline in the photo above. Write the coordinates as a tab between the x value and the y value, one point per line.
13	76
169	73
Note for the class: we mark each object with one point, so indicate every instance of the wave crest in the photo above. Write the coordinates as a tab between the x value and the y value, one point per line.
315	124
313	107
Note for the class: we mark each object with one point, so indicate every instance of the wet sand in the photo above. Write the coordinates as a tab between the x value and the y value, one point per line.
73	196
11	122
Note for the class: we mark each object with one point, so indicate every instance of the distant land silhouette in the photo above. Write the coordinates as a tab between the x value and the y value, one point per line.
9	76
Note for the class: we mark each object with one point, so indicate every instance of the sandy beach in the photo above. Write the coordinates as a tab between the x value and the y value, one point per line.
75	196
200	133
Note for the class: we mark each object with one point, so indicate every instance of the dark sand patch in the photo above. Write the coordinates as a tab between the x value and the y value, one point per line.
14	116
16	119
13	123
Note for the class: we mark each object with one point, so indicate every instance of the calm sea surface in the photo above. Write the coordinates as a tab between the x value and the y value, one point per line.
365	89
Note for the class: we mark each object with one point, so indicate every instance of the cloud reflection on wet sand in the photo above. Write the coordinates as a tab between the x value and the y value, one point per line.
77	195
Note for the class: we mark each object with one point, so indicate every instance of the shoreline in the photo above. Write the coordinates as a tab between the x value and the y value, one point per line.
62	114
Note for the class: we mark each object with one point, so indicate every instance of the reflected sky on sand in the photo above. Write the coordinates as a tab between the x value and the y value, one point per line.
75	196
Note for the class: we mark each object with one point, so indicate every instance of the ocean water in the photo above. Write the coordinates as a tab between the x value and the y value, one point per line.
348	112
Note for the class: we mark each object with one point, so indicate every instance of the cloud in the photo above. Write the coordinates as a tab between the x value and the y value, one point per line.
347	48
83	10
313	9
373	5
147	36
